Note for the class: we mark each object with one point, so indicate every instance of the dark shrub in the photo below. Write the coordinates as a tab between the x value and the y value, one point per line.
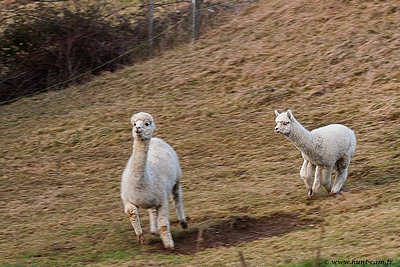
52	47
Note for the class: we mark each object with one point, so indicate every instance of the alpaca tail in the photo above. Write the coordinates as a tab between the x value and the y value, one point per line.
353	144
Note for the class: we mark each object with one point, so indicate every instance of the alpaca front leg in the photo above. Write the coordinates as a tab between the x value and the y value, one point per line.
153	221
177	201
163	226
133	213
306	173
317	182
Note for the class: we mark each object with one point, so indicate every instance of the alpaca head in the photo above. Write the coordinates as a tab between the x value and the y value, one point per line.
143	126
284	122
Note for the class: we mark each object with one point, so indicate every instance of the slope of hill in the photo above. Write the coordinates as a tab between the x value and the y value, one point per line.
62	153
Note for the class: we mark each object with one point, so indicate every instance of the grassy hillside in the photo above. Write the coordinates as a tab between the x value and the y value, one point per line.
62	153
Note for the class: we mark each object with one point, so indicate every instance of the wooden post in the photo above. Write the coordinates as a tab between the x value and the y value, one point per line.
194	20
196	17
151	25
242	259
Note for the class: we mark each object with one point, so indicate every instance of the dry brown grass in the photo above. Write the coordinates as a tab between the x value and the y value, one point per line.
62	153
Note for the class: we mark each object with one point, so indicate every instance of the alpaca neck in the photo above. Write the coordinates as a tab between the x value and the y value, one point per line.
139	162
301	138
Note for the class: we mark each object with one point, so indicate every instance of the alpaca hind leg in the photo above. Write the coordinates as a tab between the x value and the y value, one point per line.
342	167
177	201
306	173
341	176
163	226
326	179
133	213
153	221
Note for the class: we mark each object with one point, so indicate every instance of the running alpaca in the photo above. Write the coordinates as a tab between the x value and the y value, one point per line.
150	176
323	149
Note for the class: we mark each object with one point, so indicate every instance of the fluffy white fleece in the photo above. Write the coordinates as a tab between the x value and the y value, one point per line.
323	149
150	176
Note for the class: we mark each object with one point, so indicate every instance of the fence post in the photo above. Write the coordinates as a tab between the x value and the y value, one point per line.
151	25
196	18
244	264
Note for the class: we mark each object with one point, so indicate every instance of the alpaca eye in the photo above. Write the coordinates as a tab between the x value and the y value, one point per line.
134	124
147	124
285	123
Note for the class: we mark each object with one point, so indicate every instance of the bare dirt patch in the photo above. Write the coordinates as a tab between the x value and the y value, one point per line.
233	231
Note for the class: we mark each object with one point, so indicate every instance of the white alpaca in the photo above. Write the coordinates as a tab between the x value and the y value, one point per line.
150	176
323	149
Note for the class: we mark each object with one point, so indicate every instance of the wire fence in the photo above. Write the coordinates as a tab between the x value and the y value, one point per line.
180	16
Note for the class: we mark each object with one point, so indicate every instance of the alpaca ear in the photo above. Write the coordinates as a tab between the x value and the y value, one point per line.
289	114
276	113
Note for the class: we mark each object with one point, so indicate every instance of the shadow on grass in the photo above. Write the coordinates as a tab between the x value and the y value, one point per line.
230	232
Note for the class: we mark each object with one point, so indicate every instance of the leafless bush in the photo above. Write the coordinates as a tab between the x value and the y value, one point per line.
52	46
47	47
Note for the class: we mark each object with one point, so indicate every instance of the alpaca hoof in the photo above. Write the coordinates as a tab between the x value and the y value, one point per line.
310	193
184	225
170	248
154	233
332	193
141	239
